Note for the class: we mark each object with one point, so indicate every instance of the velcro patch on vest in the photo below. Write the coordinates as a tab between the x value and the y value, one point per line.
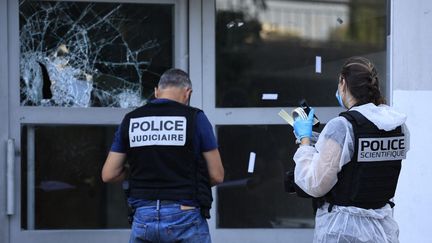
381	149
157	130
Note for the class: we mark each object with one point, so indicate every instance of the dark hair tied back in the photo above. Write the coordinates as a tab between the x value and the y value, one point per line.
361	78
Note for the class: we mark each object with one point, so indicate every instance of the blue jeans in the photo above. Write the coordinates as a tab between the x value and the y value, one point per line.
169	223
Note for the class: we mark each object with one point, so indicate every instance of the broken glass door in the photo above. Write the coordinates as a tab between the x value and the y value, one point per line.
84	54
78	67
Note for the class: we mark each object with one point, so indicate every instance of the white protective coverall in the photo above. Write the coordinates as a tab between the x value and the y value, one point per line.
316	173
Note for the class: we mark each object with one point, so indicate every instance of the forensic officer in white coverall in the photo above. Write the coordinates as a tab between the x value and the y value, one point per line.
355	163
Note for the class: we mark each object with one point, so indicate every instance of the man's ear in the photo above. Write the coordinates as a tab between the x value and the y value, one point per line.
156	92
188	95
189	92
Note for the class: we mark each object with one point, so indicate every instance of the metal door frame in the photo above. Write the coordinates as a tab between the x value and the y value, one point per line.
241	116
4	119
22	115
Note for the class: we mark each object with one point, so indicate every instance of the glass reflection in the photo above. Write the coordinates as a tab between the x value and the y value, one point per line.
61	182
81	54
257	199
274	47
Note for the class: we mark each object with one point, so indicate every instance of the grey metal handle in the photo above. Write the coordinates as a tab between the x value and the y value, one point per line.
10	178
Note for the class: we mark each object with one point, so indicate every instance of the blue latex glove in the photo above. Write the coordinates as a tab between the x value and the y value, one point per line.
303	128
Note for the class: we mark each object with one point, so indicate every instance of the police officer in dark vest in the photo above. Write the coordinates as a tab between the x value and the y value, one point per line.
173	160
355	164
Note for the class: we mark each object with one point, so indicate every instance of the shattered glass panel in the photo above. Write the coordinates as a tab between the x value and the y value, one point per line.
273	53
83	54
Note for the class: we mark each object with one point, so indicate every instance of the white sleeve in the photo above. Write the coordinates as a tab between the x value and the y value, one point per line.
317	167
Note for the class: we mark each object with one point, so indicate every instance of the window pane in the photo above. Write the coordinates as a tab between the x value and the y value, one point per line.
82	54
61	179
258	199
293	49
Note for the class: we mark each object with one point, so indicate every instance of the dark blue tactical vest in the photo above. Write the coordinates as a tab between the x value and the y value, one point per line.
161	155
369	180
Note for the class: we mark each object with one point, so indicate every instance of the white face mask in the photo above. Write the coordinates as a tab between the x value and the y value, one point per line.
339	99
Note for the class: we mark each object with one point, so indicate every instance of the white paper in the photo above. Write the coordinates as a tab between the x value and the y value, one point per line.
286	116
270	96
251	166
318	64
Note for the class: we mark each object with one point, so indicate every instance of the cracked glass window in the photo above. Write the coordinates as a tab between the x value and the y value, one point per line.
83	54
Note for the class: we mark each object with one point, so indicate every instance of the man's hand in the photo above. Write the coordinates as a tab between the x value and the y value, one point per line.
303	128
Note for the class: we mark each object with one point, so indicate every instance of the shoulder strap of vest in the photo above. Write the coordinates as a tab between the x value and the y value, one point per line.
358	120
173	103
355	118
